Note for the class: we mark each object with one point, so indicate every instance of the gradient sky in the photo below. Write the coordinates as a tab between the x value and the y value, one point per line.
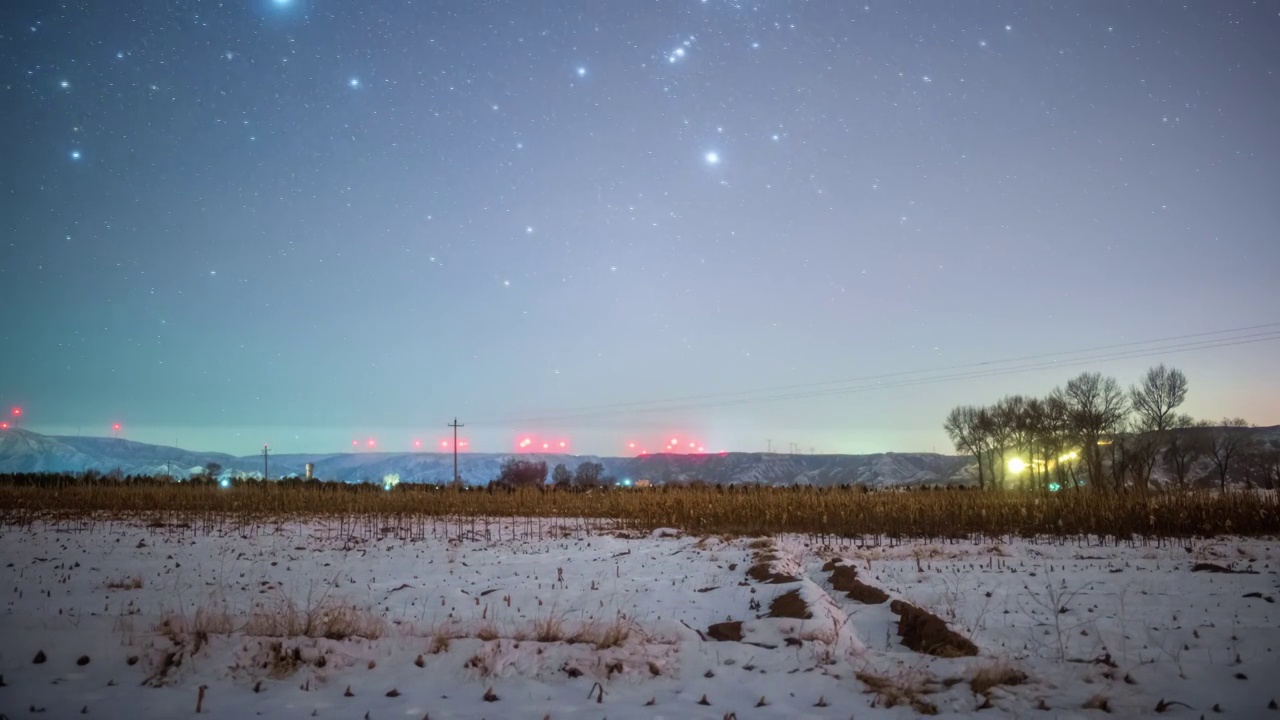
305	222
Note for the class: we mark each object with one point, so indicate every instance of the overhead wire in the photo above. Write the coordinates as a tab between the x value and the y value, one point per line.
905	378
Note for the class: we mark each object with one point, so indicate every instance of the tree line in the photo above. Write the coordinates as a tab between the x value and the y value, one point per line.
1092	432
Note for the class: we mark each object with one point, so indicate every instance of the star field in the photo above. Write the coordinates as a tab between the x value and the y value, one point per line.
307	221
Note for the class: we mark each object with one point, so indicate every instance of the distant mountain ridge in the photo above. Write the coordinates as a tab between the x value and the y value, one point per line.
25	451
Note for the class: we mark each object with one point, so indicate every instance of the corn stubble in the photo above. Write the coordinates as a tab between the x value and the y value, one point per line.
746	511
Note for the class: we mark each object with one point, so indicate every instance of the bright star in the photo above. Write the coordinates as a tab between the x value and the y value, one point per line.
75	154
713	158
679	52
1008	27
281	3
582	72
64	84
354	82
528	229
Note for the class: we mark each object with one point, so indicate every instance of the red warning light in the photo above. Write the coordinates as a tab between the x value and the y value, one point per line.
563	443
355	443
4	426
463	443
674	441
631	446
116	427
371	443
417	443
546	446
17	412
444	444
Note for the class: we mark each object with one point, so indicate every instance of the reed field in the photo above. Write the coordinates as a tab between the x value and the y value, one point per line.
743	511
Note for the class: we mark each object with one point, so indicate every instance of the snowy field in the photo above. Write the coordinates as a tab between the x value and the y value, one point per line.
298	621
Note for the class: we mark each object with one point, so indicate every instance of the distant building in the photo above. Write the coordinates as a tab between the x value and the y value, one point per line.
311	471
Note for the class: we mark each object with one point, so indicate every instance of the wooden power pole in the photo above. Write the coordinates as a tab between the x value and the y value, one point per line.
265	474
455	425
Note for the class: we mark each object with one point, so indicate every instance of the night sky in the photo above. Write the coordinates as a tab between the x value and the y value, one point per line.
308	222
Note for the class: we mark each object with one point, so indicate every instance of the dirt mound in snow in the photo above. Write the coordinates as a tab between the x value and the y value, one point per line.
845	579
726	631
789	605
763	573
925	632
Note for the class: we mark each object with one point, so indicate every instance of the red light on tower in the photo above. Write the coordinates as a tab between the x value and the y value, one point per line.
371	443
674	441
631	446
444	444
4	426
546	446
564	444
17	412
417	443
116	427
463	444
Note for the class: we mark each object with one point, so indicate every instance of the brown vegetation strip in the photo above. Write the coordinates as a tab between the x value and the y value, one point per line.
740	511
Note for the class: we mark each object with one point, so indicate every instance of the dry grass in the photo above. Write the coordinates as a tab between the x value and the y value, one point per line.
125	583
738	511
996	673
908	688
327	619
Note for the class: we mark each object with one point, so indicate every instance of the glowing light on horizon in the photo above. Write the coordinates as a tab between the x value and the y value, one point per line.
1017	465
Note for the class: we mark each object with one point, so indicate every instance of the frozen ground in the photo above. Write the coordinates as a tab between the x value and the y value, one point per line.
133	621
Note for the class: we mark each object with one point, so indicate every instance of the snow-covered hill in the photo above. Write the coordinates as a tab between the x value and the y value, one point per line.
23	451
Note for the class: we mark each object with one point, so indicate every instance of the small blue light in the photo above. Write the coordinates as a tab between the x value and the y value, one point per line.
224	482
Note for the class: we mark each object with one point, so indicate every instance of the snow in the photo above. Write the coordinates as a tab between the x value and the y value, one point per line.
1063	613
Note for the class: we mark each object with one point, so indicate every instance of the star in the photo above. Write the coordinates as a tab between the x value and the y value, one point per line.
64	84
354	82
75	154
528	229
582	72
712	158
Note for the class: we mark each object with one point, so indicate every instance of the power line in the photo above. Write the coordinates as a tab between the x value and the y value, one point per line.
811	389
574	411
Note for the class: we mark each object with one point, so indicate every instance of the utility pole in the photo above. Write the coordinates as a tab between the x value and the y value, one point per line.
455	425
265	475
769	445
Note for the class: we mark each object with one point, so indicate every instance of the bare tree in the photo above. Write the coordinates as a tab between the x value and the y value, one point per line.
1158	397
1185	447
962	427
1000	420
1225	444
1096	409
1155	402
